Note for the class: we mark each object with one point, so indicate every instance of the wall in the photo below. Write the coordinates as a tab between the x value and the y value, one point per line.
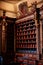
10	9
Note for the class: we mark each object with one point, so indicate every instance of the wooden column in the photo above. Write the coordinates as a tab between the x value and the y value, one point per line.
37	38
41	37
3	36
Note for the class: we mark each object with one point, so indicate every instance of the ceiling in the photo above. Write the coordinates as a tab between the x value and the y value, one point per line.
12	1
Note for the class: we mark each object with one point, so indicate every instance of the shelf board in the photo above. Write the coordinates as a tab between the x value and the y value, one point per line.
27	30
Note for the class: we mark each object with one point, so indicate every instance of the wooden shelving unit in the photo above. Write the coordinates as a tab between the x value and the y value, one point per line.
26	49
26	36
28	39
